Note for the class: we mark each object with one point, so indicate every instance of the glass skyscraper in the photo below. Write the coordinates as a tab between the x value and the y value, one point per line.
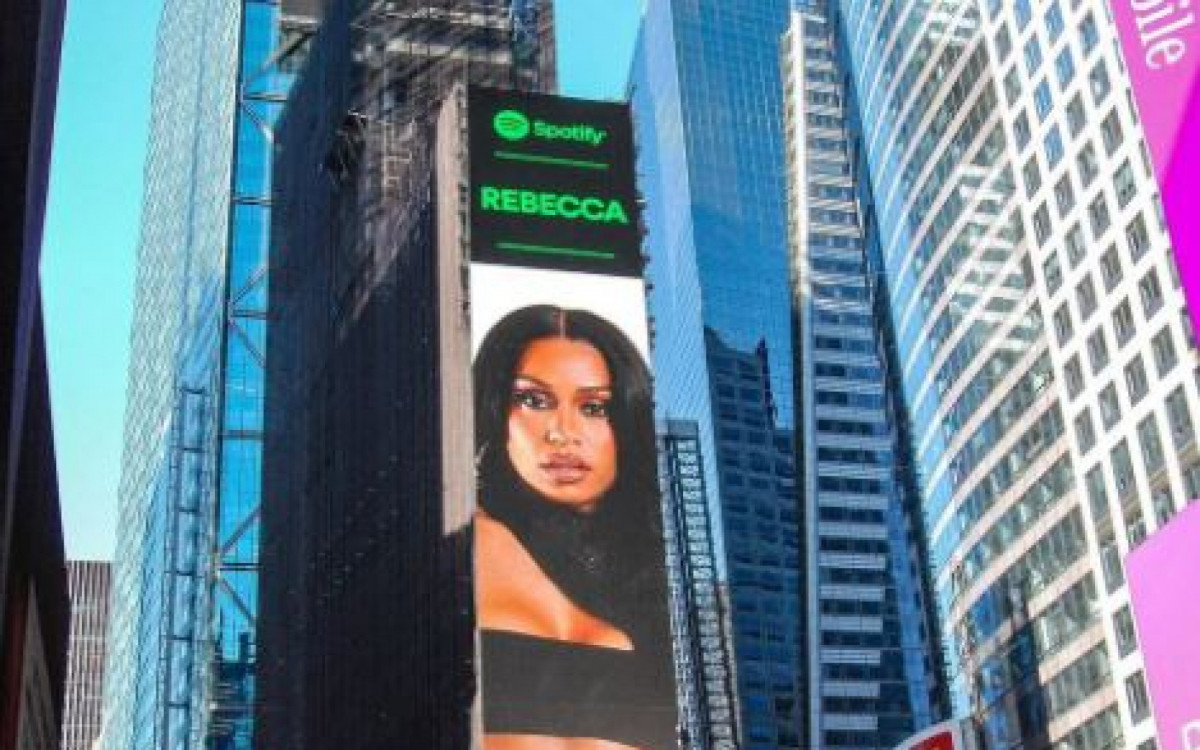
1045	353
181	666
706	92
874	675
708	95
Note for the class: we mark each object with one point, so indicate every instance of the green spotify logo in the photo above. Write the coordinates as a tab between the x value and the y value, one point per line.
511	125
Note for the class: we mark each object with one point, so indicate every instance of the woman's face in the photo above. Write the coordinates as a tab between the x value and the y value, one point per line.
560	440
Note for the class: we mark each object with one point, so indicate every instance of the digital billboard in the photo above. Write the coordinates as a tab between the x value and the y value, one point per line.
1161	576
1161	42
570	579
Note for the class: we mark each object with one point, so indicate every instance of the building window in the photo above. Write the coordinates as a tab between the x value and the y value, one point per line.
1065	195
1099	82
1033	176
1003	42
1098	213
1110	268
1073	373
1041	224
1163	347
1110	131
1033	55
1097	346
1138	237
1123	323
1021	130
1075	245
1012	86
1110	406
1054	21
1062	324
1098	499
1123	628
1054	146
1122	466
1151	292
1085	293
1125	183
1042	100
1191	481
1164	505
1153	455
1076	117
1089	33
1110	563
1023	14
1088	166
1179	417
1136	381
1139	700
1052	272
1085	431
1064	64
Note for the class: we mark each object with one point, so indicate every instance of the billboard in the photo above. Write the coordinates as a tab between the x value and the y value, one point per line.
1161	42
1167	613
570	579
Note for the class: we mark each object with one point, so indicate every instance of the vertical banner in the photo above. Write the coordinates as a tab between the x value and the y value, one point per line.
570	580
1162	586
1161	42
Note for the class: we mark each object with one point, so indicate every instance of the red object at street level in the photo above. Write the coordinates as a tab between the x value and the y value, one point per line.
948	735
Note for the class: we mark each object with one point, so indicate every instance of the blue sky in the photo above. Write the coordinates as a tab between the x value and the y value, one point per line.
94	208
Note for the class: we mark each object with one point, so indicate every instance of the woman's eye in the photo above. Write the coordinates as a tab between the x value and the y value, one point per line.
531	399
598	409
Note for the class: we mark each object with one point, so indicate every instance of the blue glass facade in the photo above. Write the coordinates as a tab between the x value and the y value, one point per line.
1007	539
706	91
181	668
805	472
875	676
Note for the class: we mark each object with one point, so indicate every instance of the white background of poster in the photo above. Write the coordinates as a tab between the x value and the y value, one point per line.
498	290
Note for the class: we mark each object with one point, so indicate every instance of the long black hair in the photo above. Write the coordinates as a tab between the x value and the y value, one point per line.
609	560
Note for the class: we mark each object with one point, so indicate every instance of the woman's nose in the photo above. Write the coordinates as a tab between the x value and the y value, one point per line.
561	428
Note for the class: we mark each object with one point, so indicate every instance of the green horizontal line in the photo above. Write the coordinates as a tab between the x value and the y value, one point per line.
572	252
555	160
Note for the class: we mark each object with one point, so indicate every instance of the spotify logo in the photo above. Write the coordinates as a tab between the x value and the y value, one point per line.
511	125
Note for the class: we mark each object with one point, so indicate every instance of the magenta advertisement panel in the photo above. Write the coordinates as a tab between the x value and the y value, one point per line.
1161	41
1162	574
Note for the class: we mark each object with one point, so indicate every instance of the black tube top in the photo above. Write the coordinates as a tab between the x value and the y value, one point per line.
539	686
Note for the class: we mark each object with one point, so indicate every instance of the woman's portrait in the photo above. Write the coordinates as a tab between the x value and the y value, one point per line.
570	582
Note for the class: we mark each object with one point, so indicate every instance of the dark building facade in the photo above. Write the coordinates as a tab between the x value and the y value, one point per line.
33	599
699	607
88	584
367	627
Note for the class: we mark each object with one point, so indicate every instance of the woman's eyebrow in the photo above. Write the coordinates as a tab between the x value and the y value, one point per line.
531	379
595	388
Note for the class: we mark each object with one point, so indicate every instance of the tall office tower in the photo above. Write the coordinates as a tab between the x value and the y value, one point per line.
368	638
1045	352
875	675
88	586
182	659
699	610
33	586
708	103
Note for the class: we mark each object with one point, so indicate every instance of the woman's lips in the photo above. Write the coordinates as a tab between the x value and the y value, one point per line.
565	468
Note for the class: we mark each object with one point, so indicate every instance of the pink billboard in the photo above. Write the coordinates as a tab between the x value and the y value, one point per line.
1162	575
1161	42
